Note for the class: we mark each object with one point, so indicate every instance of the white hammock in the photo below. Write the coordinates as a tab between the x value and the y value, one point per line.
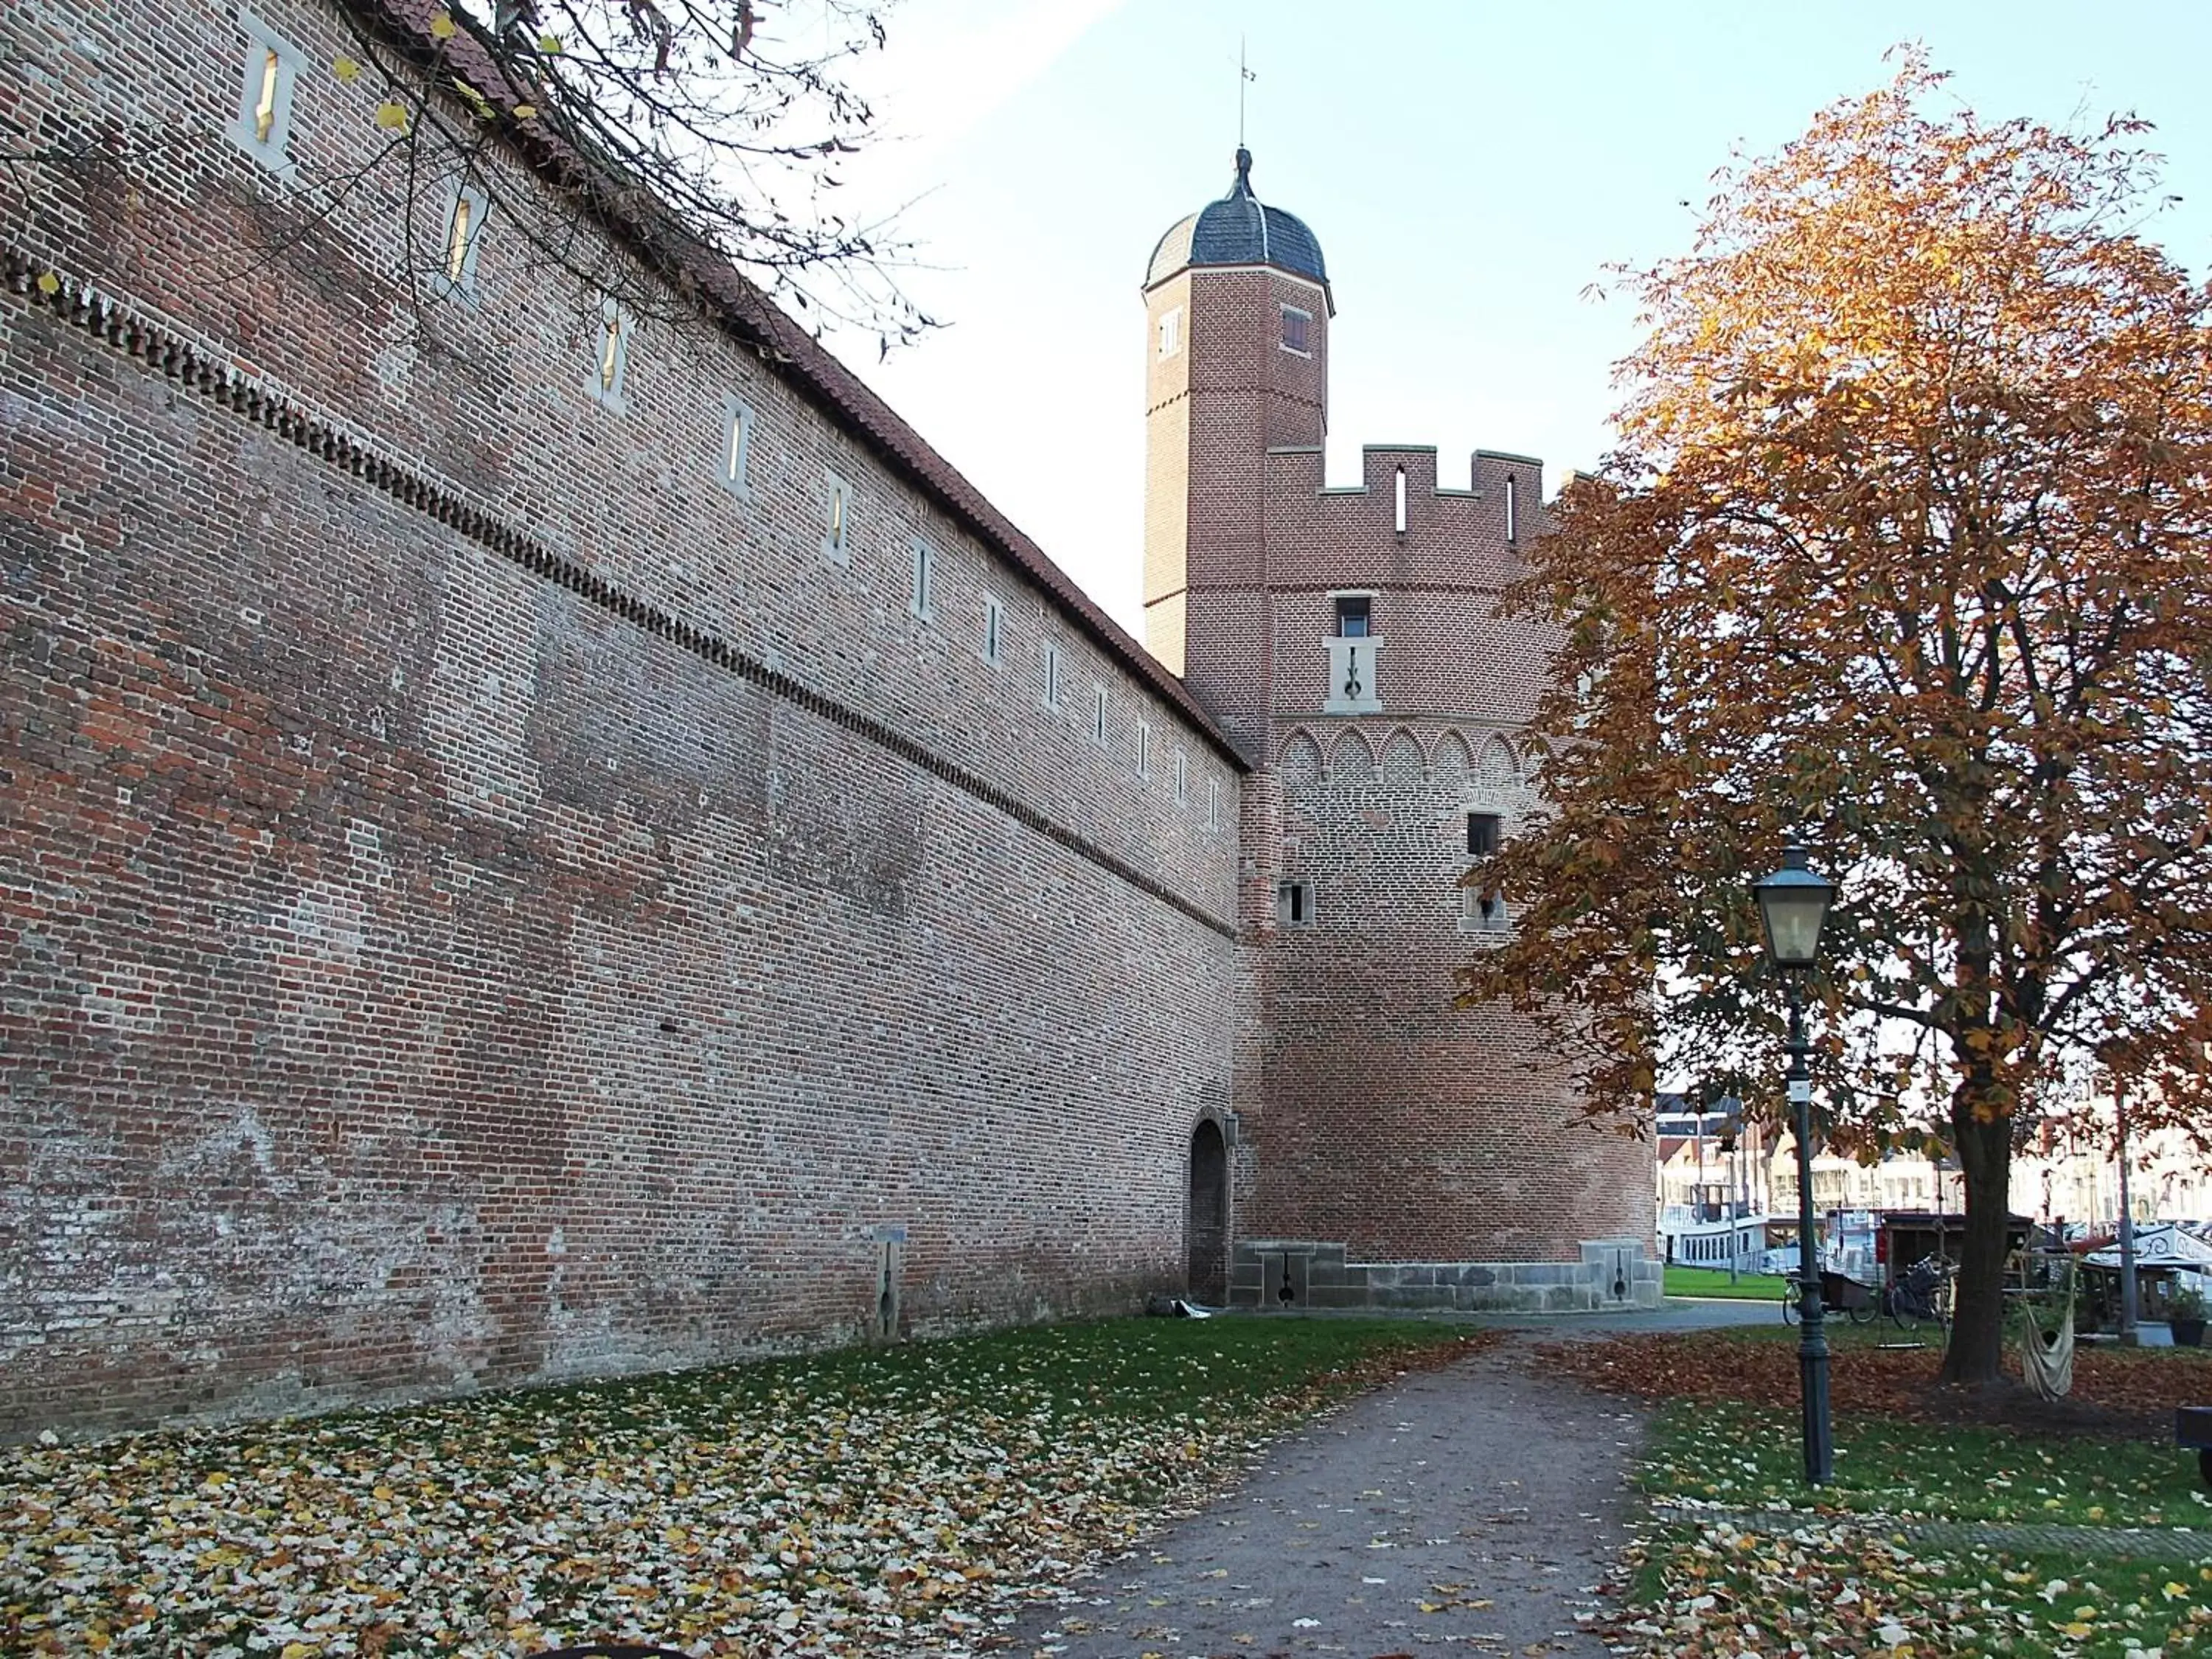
2048	1365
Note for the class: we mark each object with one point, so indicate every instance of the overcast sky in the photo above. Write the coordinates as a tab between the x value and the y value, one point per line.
1470	169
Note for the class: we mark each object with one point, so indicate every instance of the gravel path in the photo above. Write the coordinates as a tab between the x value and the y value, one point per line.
1474	1509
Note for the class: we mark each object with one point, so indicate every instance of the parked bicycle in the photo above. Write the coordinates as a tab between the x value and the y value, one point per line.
1922	1294
1839	1294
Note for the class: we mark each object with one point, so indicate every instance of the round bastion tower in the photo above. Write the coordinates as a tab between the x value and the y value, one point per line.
1388	1148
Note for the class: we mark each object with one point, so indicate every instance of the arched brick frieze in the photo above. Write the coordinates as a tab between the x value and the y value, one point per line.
1298	763
1499	769
1450	763
1403	761
1351	761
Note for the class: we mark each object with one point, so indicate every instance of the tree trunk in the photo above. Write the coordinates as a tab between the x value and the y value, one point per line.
1976	1353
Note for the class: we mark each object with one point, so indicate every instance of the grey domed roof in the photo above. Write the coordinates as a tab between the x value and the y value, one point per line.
1239	229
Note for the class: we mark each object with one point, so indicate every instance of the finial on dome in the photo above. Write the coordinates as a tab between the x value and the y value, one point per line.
1243	171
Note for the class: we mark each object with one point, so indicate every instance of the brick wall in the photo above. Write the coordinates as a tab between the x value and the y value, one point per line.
481	901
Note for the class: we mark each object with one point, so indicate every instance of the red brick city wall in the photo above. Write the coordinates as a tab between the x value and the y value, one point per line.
480	902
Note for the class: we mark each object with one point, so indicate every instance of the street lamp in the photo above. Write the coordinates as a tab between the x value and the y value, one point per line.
1792	904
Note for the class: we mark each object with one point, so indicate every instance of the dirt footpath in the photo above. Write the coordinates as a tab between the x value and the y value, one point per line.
1474	1509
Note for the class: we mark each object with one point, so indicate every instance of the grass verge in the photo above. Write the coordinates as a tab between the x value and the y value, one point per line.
1714	1282
1935	1538
1749	1456
901	1499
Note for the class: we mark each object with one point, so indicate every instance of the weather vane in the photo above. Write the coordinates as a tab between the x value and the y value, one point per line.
1243	75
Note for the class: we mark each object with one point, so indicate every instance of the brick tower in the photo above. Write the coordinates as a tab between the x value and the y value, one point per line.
1390	1147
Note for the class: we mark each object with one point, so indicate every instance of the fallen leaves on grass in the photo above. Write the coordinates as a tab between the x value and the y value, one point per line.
896	1502
1836	1589
2113	1392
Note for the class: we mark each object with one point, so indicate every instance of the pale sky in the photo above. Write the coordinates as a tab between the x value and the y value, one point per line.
1470	168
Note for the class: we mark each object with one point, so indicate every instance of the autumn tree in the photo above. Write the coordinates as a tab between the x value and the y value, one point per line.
1903	552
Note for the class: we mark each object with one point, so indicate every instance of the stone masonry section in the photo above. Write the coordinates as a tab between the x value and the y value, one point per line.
1295	1275
481	901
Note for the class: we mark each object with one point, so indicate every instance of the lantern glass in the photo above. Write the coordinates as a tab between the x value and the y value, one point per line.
1793	901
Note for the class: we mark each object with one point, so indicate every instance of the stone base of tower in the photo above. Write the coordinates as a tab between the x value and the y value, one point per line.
1296	1274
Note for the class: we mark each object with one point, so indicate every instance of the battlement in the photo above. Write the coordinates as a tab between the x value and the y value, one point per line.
1401	525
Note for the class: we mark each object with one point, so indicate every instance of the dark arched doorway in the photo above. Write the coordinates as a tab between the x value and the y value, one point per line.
1209	1215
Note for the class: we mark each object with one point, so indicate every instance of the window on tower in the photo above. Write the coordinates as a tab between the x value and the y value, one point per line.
924	599
837	520
1483	910
1482	832
1354	612
1171	332
1297	330
994	632
263	124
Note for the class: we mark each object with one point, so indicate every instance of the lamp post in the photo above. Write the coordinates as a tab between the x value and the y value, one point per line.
1792	904
2129	1334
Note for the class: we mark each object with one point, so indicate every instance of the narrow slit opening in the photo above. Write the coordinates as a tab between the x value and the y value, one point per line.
1402	502
611	352
264	108
457	246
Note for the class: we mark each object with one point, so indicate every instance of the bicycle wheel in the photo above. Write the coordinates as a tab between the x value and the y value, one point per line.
1900	1310
1864	1314
1790	1309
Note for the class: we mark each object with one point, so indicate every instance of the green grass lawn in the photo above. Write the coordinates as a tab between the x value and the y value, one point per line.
1714	1281
1749	1456
856	1500
1842	1570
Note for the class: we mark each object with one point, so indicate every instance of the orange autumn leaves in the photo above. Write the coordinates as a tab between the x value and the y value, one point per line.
1903	546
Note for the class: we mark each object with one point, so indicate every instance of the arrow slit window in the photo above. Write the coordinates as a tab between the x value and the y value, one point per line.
262	126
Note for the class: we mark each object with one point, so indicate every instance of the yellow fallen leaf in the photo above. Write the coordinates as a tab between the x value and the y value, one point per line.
345	69
442	26
391	116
